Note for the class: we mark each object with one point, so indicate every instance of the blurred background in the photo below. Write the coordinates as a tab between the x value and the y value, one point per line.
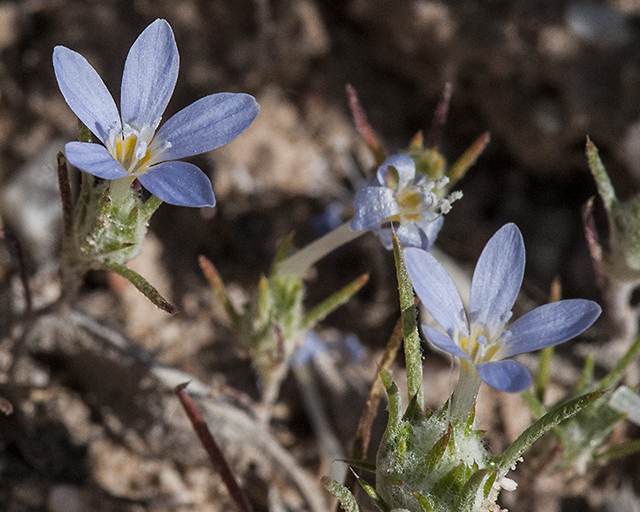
539	75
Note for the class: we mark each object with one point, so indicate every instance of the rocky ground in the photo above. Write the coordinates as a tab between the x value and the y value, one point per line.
96	426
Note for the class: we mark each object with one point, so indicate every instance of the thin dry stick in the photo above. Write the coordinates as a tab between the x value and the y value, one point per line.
363	126
22	267
439	117
363	433
65	196
211	447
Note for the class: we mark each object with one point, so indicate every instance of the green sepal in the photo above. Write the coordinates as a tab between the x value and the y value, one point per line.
454	480
371	492
424	503
437	451
414	411
555	416
84	134
361	464
344	496
488	485
469	493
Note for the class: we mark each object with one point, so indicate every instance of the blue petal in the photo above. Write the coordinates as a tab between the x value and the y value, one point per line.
385	234
150	74
509	376
497	279
85	93
436	291
372	206
411	235
548	325
405	166
443	342
94	159
179	183
204	125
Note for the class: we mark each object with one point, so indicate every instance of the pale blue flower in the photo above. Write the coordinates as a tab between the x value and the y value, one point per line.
400	200
482	339
132	146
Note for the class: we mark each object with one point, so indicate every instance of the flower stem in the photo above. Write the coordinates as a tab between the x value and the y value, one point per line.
213	450
305	258
466	392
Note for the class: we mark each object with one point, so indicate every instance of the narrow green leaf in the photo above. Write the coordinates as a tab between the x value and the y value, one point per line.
342	494
438	449
489	483
395	405
361	464
283	250
542	377
414	411
424	503
617	452
469	493
537	409
468	158
618	371
586	377
84	134
148	207
371	492
555	416
143	286
217	285
605	188
413	354
336	300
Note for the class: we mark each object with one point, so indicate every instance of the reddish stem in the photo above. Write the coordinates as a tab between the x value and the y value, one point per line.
22	266
213	450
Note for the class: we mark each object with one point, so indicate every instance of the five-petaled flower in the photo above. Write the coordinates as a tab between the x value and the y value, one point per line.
132	147
398	199
481	340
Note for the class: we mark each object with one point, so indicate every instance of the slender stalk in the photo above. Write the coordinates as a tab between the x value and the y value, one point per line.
305	258
22	268
413	354
616	374
434	135
363	126
466	392
66	197
363	432
213	450
142	285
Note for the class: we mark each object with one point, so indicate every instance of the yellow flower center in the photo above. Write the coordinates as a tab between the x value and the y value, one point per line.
412	203
132	153
479	348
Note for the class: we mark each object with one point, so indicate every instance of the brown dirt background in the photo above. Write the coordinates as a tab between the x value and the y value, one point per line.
92	430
